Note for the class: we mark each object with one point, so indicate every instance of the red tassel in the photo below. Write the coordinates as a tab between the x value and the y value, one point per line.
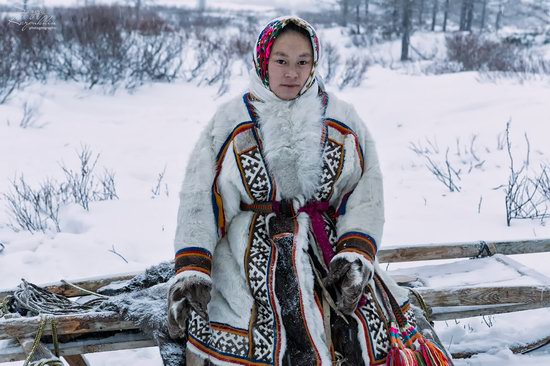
432	355
401	357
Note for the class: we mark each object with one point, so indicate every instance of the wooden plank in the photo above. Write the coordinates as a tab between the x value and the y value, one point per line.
90	284
385	255
470	296
460	250
11	350
523	270
66	324
76	360
519	348
461	312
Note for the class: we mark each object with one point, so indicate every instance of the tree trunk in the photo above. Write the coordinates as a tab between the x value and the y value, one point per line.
395	17
469	14
445	15
366	13
405	40
201	5
483	15
358	18
462	20
499	16
345	10
420	12
435	9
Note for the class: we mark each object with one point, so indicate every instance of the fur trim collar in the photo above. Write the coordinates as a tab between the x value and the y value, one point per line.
291	132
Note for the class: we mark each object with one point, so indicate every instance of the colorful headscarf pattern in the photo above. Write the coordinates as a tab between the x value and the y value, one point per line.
267	38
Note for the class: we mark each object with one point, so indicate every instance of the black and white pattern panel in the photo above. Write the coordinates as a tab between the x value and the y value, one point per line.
199	328
259	261
377	328
255	174
333	157
217	340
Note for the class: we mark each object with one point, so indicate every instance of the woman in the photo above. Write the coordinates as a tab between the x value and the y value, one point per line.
280	219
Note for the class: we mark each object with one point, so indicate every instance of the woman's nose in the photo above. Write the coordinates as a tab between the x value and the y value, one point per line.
291	73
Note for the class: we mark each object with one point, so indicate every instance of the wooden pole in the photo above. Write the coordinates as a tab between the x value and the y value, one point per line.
461	250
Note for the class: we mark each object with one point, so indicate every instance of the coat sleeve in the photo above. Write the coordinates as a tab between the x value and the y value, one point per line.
361	219
197	230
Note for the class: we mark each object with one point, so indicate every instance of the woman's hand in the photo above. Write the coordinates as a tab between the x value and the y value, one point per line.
350	276
186	294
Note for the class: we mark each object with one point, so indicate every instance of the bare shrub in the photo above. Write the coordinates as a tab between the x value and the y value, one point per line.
84	186
476	52
445	172
29	118
159	185
99	45
12	72
524	196
354	69
37	209
155	58
331	61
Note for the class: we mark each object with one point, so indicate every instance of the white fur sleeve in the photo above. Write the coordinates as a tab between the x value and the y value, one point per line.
361	223
197	231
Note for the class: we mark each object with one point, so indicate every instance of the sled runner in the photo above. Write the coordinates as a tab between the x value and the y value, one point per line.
482	280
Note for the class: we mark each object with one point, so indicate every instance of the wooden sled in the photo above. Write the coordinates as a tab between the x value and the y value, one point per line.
515	288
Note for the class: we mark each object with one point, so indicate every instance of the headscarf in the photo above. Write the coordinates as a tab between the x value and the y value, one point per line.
265	42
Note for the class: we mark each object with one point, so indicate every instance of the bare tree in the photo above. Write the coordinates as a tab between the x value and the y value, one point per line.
201	5
445	15
466	15
420	12
435	9
406	37
483	15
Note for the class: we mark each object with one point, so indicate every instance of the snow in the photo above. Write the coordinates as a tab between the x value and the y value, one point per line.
138	134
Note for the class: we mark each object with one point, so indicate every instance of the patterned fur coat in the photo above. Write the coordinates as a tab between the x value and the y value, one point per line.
268	300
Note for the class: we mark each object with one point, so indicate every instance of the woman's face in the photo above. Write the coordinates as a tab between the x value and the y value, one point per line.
290	63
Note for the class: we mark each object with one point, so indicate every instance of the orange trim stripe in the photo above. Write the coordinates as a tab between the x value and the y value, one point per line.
193	268
229	329
223	357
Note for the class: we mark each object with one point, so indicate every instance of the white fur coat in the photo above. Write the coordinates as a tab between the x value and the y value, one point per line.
214	239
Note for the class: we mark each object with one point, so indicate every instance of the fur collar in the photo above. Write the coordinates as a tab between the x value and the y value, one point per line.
291	132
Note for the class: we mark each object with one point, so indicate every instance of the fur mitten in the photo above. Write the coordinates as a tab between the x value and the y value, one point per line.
350	275
185	294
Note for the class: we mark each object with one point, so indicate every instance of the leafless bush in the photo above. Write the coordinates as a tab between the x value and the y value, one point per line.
37	209
29	118
476	52
445	173
445	170
98	44
12	73
157	189
524	196
83	185
355	68
331	61
155	57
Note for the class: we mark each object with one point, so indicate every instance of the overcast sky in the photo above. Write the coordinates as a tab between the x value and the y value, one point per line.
233	4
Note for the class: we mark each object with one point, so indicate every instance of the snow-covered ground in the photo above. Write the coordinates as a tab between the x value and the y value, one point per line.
139	134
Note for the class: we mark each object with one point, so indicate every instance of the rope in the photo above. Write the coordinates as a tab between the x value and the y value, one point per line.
38	301
4	306
486	250
36	345
425	307
84	290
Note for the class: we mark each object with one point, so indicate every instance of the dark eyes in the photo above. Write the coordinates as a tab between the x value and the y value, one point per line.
283	62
